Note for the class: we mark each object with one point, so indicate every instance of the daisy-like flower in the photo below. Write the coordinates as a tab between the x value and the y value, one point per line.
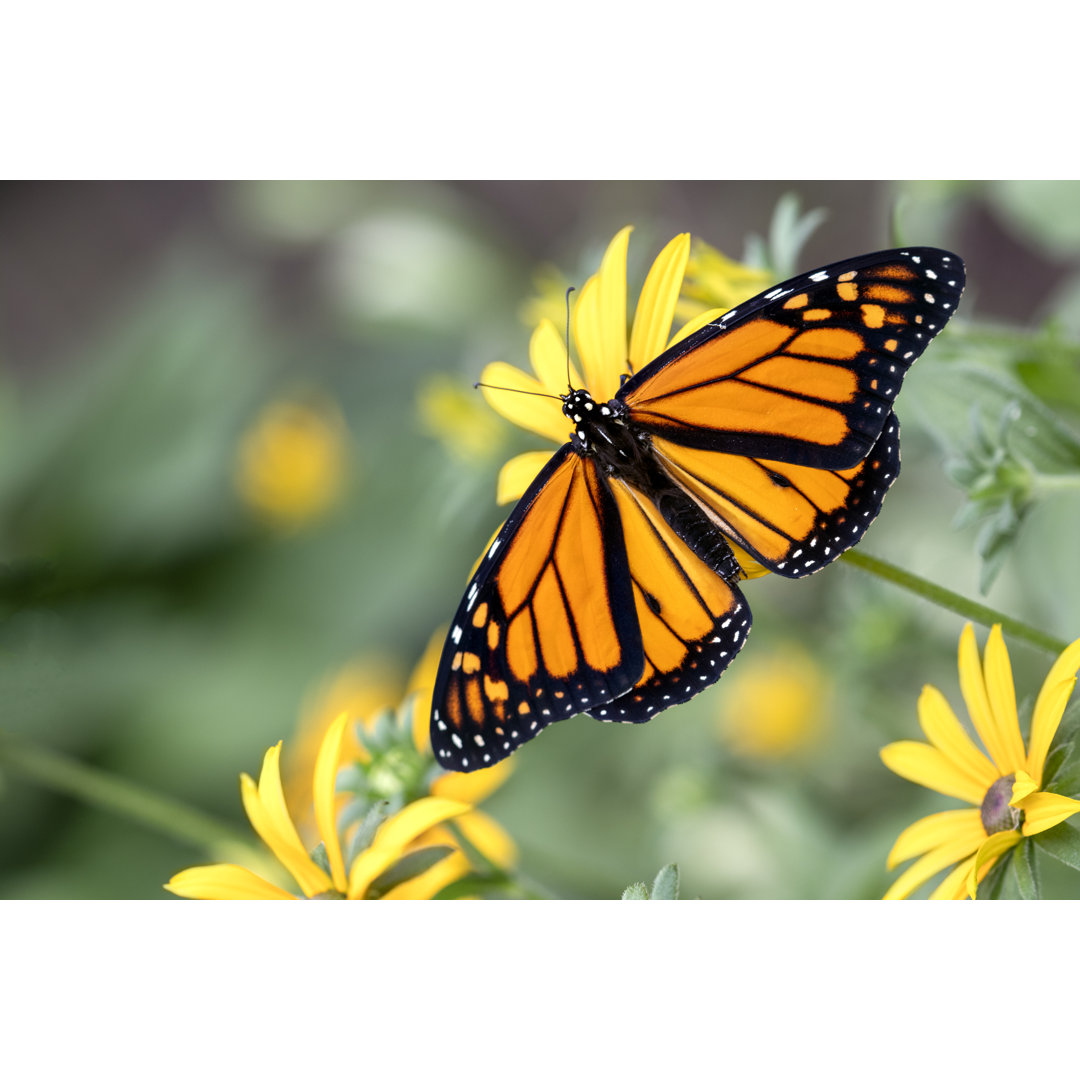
334	877
605	350
1004	785
388	756
292	462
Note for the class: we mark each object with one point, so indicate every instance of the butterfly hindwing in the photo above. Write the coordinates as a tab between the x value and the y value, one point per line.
793	519
546	628
806	373
693	620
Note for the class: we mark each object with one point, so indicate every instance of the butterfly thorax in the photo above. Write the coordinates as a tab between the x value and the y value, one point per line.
601	431
606	434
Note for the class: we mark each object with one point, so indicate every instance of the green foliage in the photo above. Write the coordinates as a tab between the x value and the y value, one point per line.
665	886
1062	843
1006	451
1026	871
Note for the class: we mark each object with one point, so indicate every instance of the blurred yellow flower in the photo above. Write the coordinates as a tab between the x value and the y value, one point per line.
1005	787
269	815
774	704
458	419
291	464
714	281
605	349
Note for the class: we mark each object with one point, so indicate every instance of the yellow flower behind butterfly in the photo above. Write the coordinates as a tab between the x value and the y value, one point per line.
1004	785
607	345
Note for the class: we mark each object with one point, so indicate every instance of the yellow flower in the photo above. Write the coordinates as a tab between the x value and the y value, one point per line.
395	760
266	809
1004	787
605	349
458	420
775	704
715	281
291	464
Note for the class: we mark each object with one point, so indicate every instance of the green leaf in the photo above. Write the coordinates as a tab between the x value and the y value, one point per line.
788	232
363	836
638	891
666	884
475	885
320	858
1026	871
406	868
1054	762
1062	842
1066	781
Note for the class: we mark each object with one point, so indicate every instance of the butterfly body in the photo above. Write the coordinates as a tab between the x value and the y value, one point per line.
612	587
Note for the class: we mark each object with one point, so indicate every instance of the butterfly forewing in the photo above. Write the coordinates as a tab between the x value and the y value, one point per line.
546	628
807	372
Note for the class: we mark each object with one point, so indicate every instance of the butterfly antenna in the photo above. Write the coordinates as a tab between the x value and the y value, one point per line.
514	390
569	387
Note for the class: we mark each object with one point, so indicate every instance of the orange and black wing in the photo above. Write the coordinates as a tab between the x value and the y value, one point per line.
807	372
693	619
547	627
778	418
792	518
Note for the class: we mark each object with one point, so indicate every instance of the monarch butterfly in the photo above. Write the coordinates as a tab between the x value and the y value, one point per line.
612	587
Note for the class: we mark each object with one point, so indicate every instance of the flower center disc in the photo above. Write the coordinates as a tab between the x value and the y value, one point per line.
996	813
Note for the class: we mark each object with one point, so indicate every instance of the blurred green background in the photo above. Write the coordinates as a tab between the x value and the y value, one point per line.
173	356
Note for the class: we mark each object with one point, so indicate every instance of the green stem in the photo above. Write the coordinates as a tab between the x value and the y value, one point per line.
100	789
951	601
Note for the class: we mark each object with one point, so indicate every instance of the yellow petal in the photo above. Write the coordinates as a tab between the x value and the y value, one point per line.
935	830
954	885
485	834
1002	694
524	401
489	838
1023	786
473	787
324	789
393	836
518	473
1043	810
600	321
224	881
925	868
973	687
926	765
424	886
945	731
1049	708
991	849
656	304
547	354
697	322
269	816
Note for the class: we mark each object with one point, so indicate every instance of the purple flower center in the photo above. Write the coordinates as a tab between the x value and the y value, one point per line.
996	813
